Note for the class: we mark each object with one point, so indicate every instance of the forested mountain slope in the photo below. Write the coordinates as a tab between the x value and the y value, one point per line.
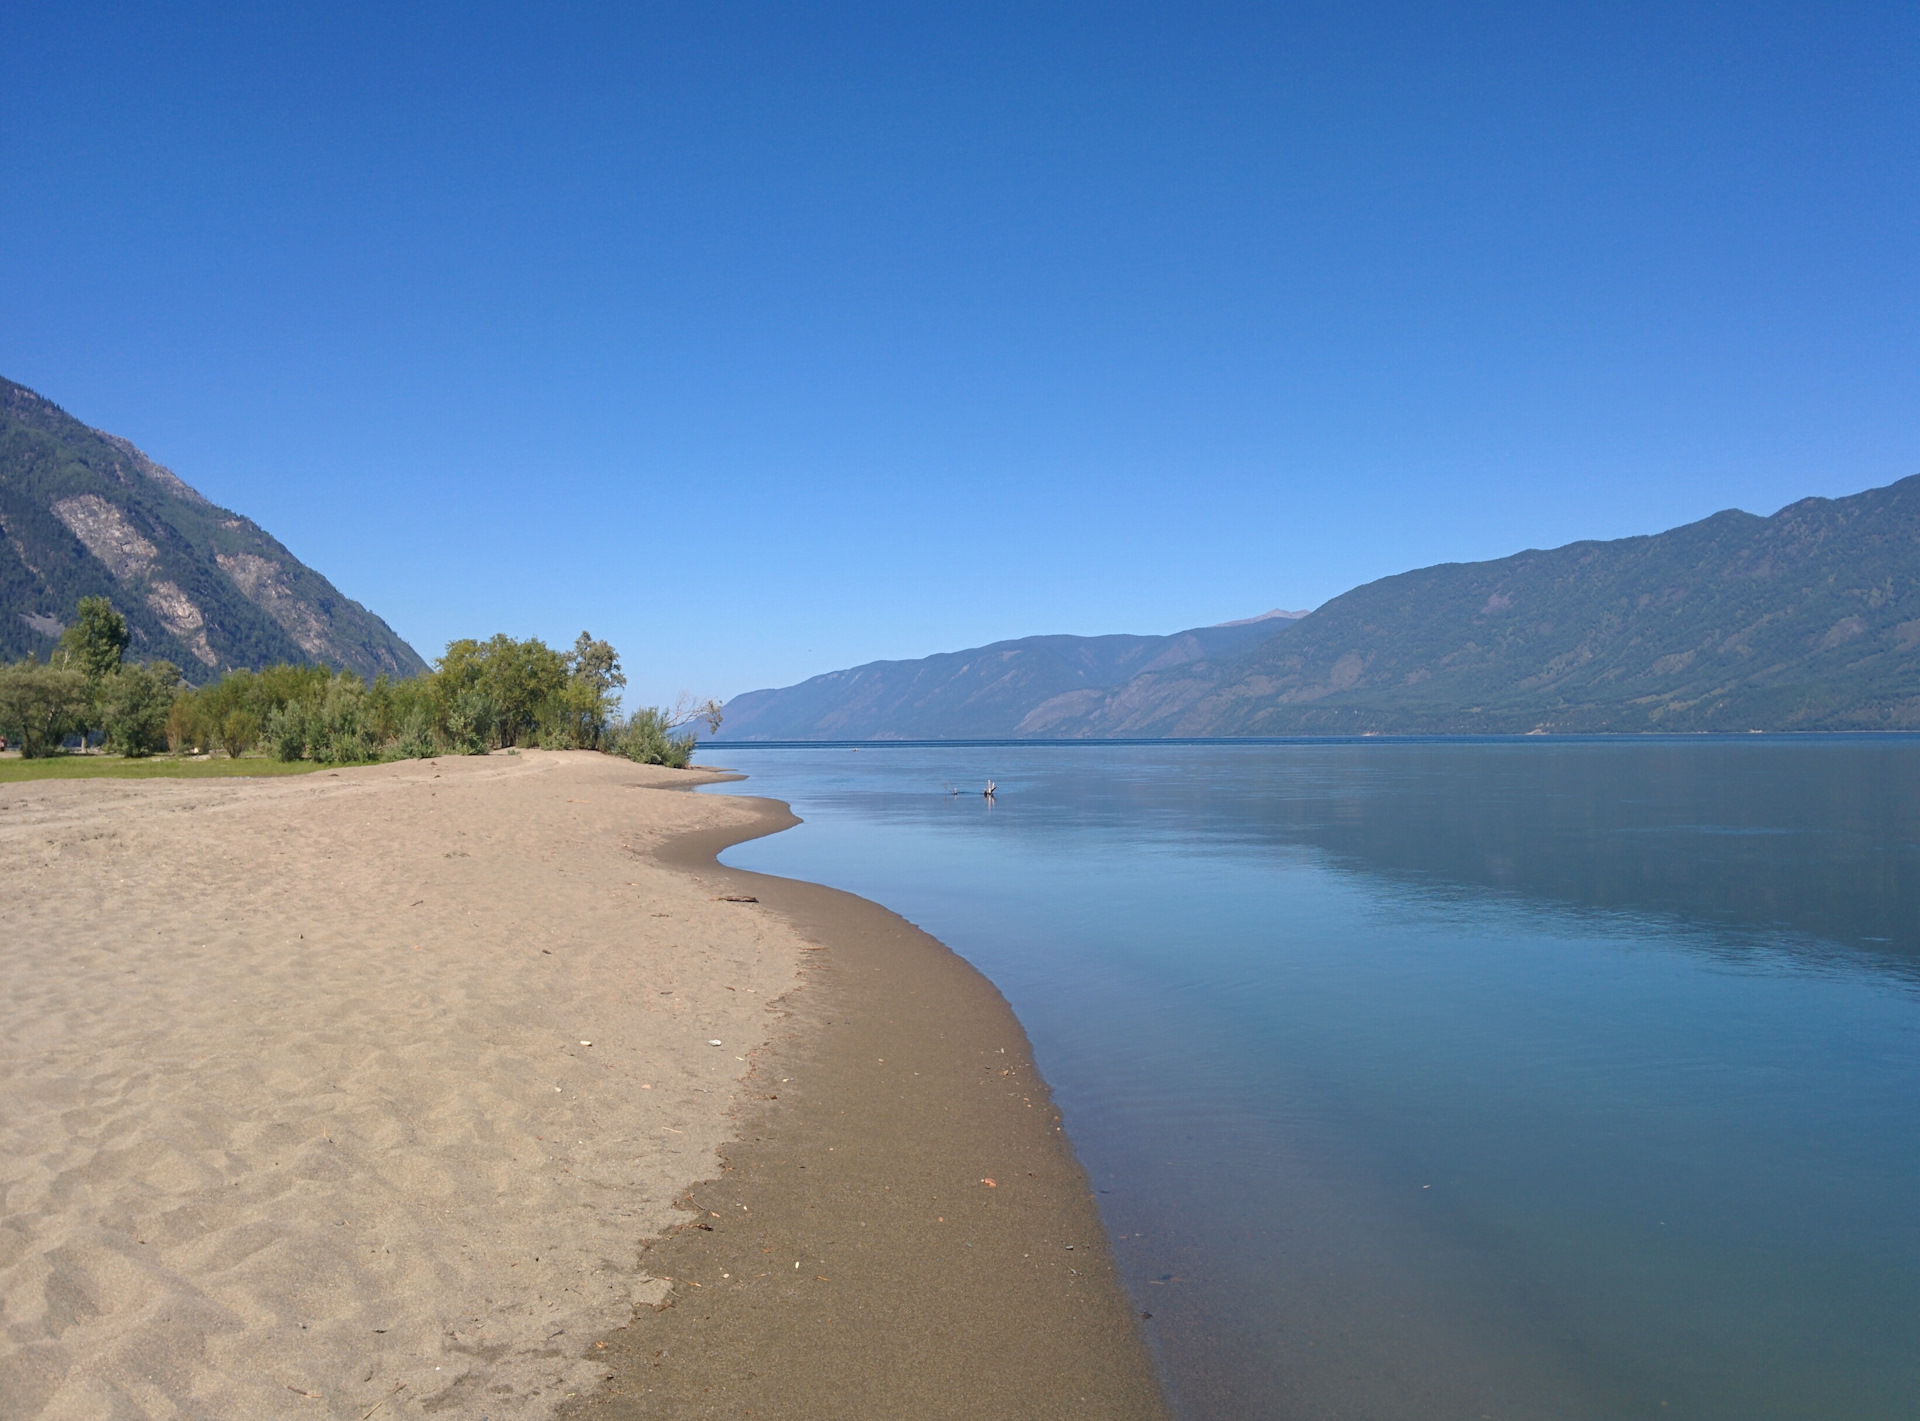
1808	620
984	692
83	513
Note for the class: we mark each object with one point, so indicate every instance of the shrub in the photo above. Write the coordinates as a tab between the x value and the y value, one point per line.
239	733
137	701
287	732
470	720
344	747
558	735
392	706
416	740
337	732
648	738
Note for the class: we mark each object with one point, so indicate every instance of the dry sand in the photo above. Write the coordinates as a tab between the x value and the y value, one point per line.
298	1117
296	1110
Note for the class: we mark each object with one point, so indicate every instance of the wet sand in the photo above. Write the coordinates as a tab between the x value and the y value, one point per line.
901	1228
299	1117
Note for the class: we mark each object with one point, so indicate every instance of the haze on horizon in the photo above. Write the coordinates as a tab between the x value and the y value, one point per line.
765	343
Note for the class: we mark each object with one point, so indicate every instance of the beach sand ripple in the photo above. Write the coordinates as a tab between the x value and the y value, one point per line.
297	1106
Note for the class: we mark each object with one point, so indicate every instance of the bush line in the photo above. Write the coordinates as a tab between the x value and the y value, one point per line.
479	697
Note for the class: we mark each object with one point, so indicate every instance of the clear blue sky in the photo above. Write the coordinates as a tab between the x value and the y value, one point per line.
765	340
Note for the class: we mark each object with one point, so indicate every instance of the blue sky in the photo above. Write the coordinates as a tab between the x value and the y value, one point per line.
766	340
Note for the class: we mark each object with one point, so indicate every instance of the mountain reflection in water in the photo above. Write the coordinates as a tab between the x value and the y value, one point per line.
1503	1078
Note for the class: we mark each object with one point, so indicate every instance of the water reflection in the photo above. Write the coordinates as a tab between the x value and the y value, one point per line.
1428	1079
1814	837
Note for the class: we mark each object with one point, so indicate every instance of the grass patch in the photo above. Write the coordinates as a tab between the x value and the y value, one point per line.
157	767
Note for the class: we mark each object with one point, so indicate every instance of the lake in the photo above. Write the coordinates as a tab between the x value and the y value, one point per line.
1427	1079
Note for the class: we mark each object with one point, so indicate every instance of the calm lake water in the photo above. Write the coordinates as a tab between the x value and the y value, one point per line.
1451	1079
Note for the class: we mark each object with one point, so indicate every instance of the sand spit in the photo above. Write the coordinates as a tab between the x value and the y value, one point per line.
900	1228
355	1093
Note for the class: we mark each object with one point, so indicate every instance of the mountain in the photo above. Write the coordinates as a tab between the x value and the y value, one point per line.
84	513
1808	620
983	693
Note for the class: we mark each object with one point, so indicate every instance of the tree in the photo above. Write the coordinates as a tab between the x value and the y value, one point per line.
137	701
96	641
579	715
686	710
509	680
597	664
186	723
40	705
240	732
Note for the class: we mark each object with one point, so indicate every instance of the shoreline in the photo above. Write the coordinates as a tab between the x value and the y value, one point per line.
367	1090
852	1257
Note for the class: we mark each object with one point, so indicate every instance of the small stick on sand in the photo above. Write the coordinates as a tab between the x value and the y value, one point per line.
383	1401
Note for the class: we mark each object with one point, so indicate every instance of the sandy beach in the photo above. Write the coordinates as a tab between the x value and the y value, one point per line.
421	1088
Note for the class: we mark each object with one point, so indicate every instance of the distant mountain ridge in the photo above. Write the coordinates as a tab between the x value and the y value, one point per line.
982	693
84	513
1806	620
1277	614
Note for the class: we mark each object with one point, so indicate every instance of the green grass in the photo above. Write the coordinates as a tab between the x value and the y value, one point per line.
96	767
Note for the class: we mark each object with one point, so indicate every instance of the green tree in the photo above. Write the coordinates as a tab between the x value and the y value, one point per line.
39	705
596	664
240	732
512	681
136	701
578	715
187	730
97	639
